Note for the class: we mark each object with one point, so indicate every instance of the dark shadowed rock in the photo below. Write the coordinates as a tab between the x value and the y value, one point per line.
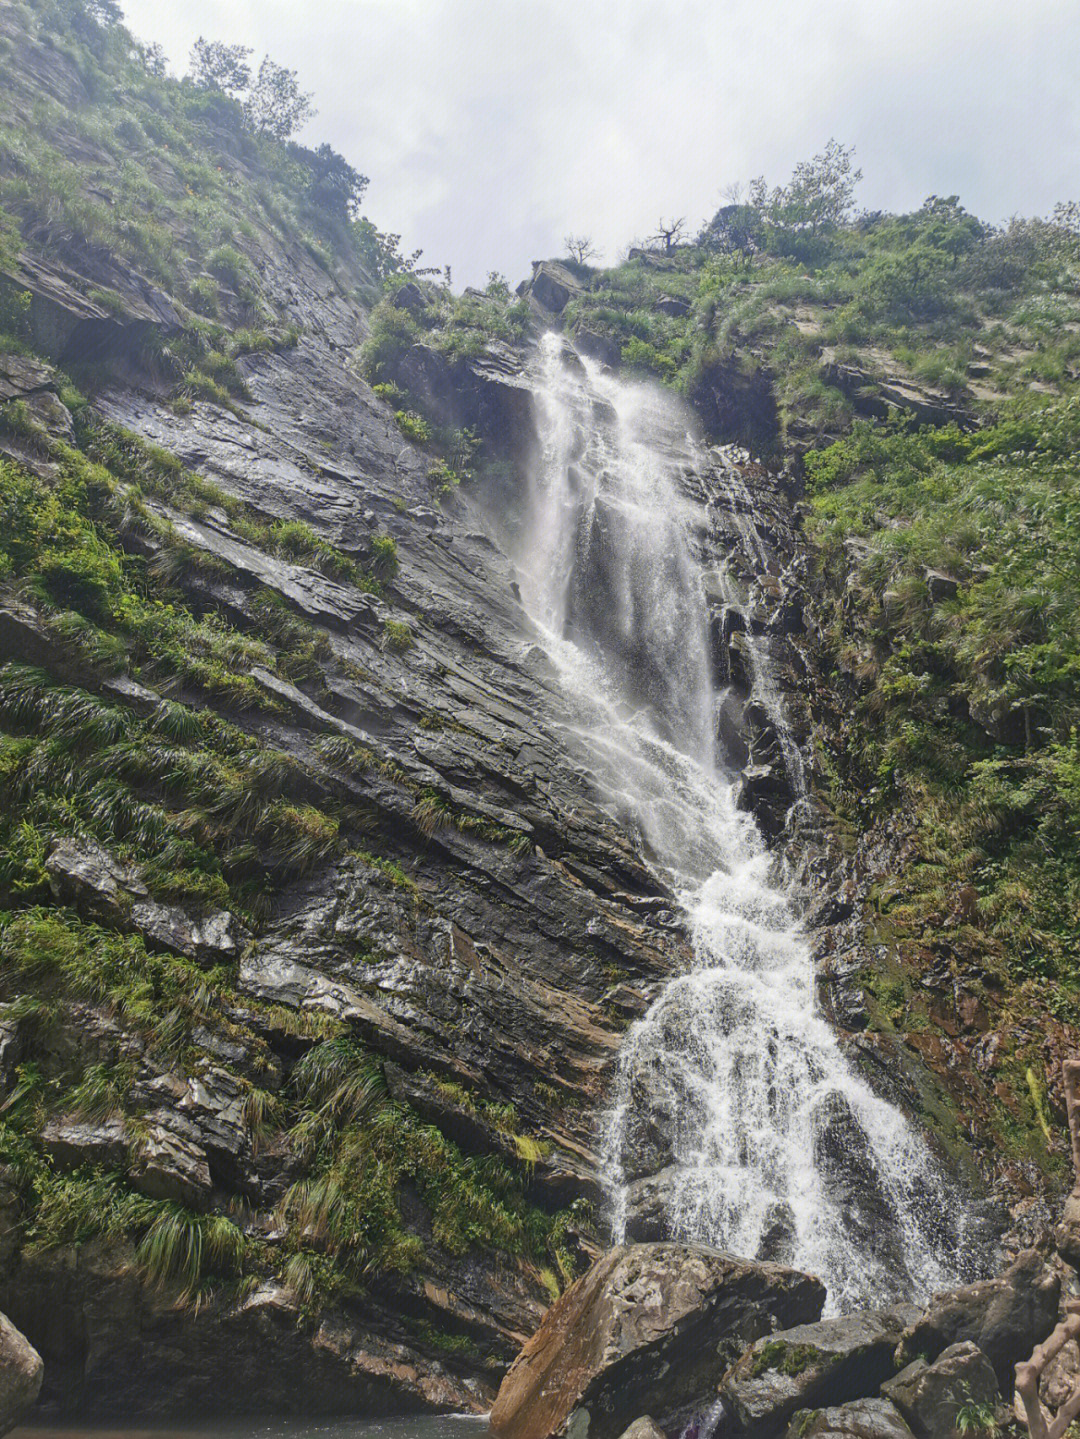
598	347
814	1364
929	1395
941	586
20	1375
1006	1317
651	1326
648	1204
72	1144
553	285
861	1419
168	1166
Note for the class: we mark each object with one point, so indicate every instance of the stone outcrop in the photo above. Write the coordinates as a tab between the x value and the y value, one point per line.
1005	1316
20	1375
930	1395
811	1366
861	1419
552	286
650	1327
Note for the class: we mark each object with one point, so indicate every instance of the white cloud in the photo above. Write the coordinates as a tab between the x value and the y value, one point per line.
491	128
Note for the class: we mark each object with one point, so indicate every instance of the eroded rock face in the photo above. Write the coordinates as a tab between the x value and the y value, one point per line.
20	1375
651	1326
812	1365
1005	1316
930	1395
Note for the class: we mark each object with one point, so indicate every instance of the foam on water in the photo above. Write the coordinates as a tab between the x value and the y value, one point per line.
773	1145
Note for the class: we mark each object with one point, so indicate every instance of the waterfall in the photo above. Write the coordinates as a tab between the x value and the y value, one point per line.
735	1113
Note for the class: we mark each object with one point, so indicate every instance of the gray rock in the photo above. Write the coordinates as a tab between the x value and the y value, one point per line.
1066	1235
21	1371
643	1428
22	375
941	585
553	285
209	938
167	1166
648	1204
1006	1317
929	1395
84	873
10	1045
651	1325
829	1362
72	1143
861	1419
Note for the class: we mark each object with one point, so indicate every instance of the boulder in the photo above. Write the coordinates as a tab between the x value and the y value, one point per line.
1006	1317
552	285
643	1428
815	1364
941	586
672	305
930	1395
861	1419
1067	1233
73	1144
84	873
20	1374
651	1326
209	938
167	1166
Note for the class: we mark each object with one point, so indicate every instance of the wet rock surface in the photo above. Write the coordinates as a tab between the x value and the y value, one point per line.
652	1327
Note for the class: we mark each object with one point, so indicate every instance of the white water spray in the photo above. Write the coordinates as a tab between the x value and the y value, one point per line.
733	1099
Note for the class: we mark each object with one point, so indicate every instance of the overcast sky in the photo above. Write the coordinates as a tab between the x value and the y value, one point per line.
490	129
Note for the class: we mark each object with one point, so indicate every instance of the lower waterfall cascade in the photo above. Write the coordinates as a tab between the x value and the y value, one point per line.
733	1100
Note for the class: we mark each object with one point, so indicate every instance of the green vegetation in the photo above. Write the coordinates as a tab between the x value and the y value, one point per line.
951	585
188	181
790	1359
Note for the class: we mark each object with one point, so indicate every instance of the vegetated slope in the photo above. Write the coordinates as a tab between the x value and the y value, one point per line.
314	948
918	376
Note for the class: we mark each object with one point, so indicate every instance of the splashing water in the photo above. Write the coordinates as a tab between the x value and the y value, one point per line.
734	1108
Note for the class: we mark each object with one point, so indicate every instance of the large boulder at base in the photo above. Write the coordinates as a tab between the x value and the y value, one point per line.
20	1375
930	1395
1006	1317
861	1419
650	1329
814	1364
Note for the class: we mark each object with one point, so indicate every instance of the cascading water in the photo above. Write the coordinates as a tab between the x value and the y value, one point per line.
733	1099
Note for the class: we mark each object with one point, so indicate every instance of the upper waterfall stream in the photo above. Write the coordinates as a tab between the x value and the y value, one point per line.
732	1091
